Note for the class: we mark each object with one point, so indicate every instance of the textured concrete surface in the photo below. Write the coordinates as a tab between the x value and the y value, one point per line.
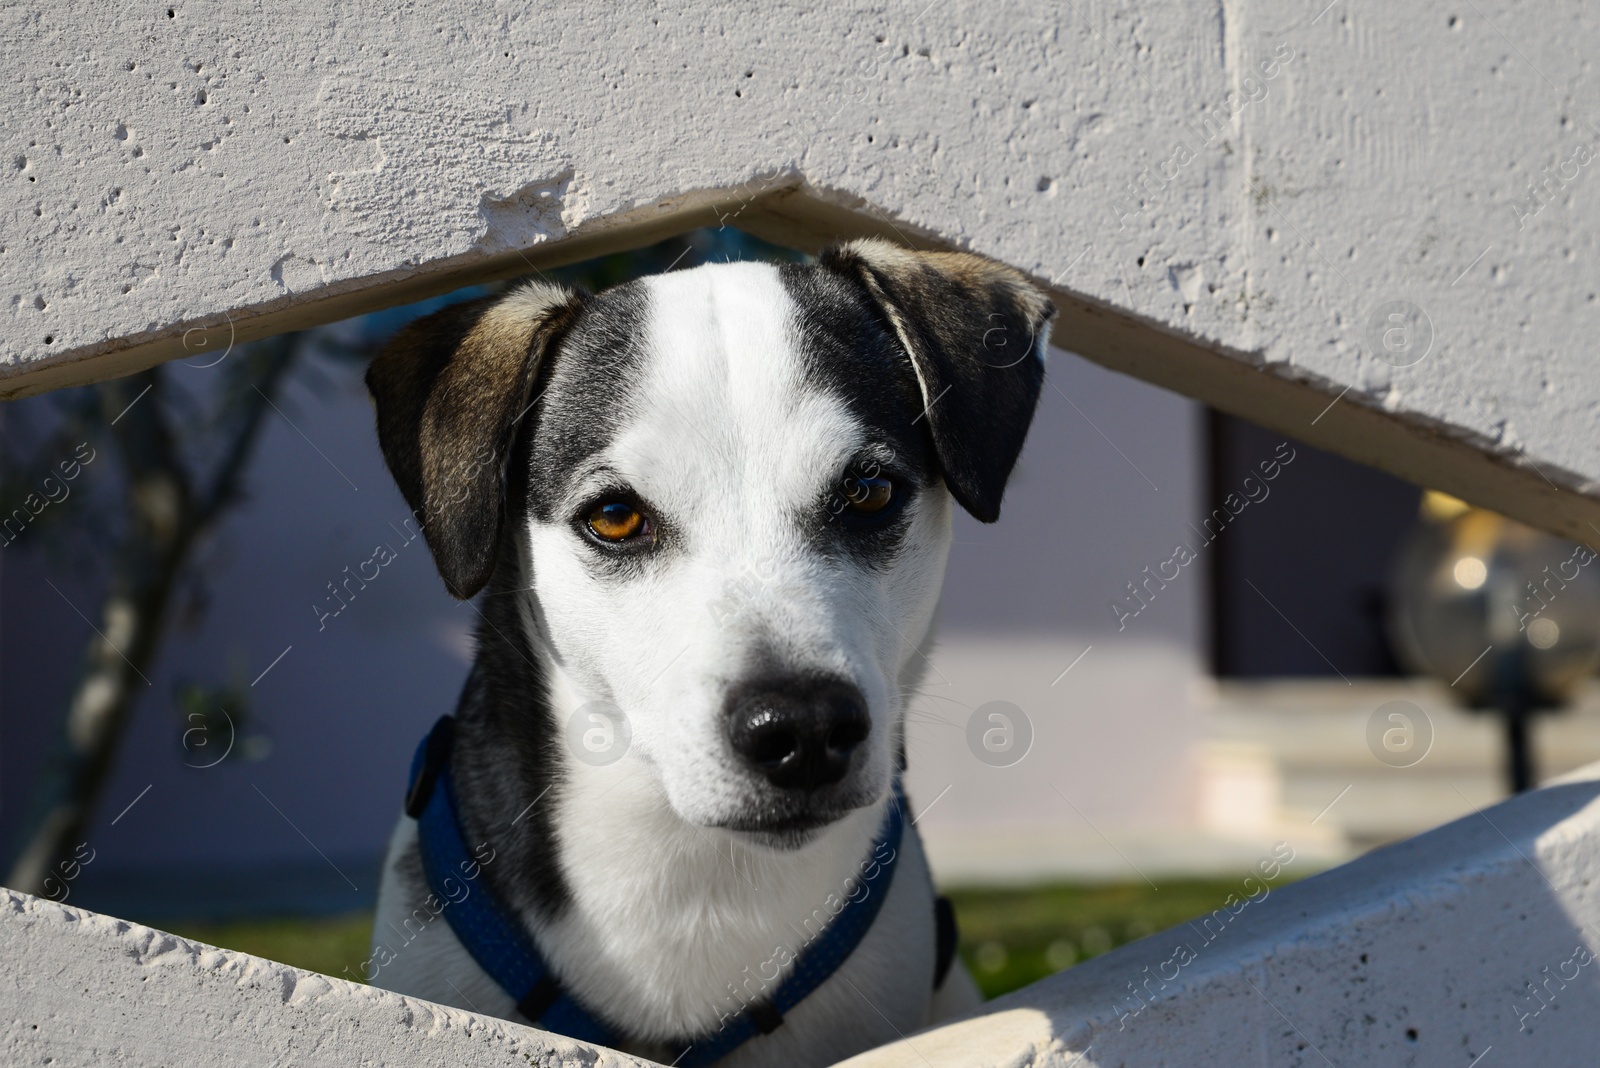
83	989
1470	944
1227	198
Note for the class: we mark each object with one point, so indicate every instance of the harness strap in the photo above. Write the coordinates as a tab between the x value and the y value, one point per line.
481	922
503	948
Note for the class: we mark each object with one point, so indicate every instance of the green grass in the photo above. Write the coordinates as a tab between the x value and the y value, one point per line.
1013	937
1009	938
325	944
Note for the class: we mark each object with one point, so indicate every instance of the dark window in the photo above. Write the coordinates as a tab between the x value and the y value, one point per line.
1318	549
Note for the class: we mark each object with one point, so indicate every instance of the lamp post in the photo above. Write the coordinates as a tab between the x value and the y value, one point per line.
1507	616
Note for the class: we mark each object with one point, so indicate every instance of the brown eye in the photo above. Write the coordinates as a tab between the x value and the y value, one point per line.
869	496
616	521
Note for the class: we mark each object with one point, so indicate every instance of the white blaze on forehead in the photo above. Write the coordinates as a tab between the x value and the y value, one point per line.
724	417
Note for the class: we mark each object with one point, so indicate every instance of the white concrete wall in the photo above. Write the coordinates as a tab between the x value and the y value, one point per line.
1423	953
97	991
179	175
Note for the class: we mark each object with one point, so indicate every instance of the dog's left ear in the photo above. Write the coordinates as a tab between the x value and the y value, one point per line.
450	390
976	333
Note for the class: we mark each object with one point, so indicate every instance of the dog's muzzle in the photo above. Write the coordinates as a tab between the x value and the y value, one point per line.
798	734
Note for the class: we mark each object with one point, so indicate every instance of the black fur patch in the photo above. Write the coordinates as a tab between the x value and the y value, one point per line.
850	355
583	392
972	329
505	764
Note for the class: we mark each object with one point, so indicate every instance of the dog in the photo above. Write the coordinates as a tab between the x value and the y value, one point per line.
708	513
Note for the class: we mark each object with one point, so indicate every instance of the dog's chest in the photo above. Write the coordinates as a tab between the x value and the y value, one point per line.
669	924
681	950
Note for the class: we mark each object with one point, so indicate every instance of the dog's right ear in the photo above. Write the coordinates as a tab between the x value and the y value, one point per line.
450	390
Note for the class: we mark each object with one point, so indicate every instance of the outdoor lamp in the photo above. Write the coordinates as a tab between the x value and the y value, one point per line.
1508	617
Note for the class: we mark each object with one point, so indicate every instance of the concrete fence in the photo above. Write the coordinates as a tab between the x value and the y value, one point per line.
1467	945
1370	226
85	989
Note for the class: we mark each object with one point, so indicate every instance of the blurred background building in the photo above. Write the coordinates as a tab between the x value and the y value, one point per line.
1183	614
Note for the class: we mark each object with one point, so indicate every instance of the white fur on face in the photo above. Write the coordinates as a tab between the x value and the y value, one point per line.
735	450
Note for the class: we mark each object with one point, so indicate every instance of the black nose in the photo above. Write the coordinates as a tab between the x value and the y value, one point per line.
798	733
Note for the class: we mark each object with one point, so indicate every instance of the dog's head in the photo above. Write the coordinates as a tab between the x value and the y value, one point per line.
728	492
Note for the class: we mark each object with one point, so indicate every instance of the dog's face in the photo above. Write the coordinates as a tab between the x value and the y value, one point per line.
729	489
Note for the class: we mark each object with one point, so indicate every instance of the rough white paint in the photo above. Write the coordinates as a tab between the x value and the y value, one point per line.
1423	953
179	176
83	989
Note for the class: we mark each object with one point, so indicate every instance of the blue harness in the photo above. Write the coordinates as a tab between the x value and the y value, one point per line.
504	949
